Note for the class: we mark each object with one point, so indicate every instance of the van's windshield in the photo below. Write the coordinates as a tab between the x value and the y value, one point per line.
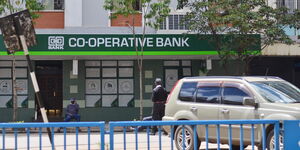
277	91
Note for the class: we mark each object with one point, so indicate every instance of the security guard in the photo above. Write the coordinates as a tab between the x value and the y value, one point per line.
159	97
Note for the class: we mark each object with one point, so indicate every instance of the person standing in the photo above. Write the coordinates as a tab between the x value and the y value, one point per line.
72	111
159	97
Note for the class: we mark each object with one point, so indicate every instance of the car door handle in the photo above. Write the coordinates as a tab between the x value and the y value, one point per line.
225	111
194	109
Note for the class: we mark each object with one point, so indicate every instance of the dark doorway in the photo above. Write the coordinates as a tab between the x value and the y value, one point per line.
49	76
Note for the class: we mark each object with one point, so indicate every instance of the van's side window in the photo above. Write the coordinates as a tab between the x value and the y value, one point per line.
187	91
233	96
208	94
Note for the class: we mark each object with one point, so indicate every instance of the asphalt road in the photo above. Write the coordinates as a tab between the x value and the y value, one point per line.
94	142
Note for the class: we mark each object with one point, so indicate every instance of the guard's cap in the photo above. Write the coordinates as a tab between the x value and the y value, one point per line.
158	81
72	99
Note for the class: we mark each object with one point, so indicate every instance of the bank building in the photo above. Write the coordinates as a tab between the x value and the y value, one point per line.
83	53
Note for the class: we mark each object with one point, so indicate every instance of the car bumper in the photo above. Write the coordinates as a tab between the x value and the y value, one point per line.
167	118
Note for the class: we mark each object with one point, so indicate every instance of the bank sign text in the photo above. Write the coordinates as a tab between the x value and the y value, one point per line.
129	42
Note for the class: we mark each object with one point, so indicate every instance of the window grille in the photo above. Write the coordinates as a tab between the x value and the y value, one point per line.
290	4
174	22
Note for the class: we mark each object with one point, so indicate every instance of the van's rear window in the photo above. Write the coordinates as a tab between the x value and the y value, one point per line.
187	91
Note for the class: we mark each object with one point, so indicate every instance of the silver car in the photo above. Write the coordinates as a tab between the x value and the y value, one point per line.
231	98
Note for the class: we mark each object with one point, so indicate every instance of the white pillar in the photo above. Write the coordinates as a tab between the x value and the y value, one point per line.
73	13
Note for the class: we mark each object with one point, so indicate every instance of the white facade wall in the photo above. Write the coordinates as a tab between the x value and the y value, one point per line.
94	15
73	13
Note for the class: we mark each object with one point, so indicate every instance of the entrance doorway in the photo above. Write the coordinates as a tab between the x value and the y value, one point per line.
49	76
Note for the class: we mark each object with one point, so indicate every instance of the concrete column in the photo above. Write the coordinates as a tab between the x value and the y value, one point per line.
73	13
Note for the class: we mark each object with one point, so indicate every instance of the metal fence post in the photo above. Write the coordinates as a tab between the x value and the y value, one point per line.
291	135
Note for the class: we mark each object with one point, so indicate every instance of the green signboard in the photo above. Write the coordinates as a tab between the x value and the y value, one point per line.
116	44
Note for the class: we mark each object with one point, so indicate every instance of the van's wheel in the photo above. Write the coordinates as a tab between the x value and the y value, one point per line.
189	138
237	147
271	141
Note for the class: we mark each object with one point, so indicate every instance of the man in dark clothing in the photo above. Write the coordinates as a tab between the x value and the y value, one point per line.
159	97
72	111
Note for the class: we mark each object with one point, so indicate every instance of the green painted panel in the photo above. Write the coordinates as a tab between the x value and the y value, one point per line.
156	66
112	114
68	81
23	114
232	68
113	44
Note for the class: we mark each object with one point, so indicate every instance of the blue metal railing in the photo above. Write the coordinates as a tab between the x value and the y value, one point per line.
231	127
195	124
61	125
291	138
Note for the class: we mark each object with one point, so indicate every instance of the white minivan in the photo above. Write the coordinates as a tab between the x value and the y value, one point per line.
231	98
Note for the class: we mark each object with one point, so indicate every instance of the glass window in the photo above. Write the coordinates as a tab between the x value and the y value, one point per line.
171	23
109	72
52	4
186	72
181	23
187	91
277	91
135	4
125	63
174	22
163	25
21	72
290	4
233	96
6	88
125	72
5	73
208	94
93	63
109	83
92	72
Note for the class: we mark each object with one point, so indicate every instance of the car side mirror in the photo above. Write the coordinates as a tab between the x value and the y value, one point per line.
249	101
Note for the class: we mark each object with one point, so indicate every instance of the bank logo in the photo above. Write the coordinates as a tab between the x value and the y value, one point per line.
56	42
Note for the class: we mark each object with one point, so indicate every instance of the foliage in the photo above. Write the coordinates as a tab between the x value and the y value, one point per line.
8	7
154	12
240	18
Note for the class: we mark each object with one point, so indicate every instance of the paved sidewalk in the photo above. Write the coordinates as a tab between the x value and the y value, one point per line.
94	142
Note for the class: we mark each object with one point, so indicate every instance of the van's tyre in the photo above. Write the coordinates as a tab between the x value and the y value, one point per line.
237	147
189	138
270	141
